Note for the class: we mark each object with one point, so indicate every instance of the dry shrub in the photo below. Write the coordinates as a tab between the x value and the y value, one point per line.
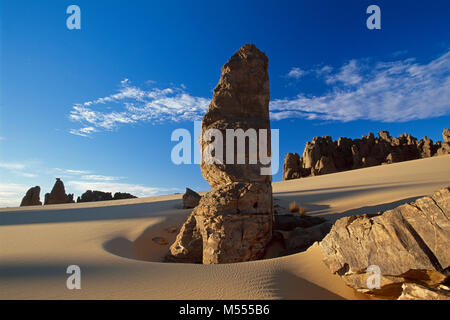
294	207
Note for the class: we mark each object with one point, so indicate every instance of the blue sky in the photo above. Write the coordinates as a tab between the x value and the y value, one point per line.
97	106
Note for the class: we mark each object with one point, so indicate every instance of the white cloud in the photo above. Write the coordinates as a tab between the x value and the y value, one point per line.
134	189
12	165
395	91
349	74
98	177
296	73
26	174
11	194
69	172
83	132
2	138
132	104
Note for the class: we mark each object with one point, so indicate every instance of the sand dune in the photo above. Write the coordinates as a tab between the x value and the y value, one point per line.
111	242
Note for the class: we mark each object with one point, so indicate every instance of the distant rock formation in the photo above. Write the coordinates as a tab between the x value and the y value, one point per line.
407	244
323	155
32	197
190	199
92	196
123	195
58	194
233	221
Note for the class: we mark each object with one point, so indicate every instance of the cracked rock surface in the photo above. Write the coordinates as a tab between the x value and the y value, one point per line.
409	243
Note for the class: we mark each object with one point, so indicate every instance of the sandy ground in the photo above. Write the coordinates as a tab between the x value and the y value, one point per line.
111	242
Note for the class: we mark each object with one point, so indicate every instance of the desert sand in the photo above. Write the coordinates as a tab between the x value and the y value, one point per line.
111	242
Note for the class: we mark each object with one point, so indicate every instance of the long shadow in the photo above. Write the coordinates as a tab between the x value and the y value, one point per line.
370	209
351	191
330	188
115	212
140	249
49	270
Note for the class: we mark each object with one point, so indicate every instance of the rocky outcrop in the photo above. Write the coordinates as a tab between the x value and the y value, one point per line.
408	244
414	291
446	135
323	155
58	194
234	219
444	147
123	195
32	197
190	199
90	196
293	167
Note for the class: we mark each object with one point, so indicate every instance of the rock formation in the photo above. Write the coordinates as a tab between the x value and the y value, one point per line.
323	155
90	196
32	198
58	194
123	195
444	147
190	199
408	244
234	219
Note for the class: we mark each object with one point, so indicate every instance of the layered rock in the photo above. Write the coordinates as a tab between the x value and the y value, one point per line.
190	199
323	155
58	194
32	197
408	244
234	219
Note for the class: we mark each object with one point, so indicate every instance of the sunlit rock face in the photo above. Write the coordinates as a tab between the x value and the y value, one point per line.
234	219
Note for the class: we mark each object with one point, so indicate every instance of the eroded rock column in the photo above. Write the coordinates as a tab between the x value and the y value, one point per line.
234	219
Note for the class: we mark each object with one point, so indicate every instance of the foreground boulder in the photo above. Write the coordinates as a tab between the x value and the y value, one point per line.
32	197
322	155
408	244
58	194
190	199
234	219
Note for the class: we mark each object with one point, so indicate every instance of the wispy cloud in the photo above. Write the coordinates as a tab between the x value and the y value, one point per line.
2	138
296	73
132	104
135	189
26	174
395	91
69	172
11	194
12	165
97	177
